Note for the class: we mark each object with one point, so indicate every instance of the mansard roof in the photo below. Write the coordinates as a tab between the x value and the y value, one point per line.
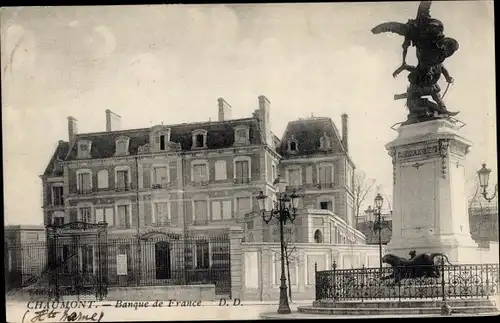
220	134
60	153
307	134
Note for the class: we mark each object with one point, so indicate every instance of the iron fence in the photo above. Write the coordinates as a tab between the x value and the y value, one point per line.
86	265
397	283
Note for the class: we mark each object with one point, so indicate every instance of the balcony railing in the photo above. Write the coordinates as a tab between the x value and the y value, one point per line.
321	185
83	191
200	183
122	188
157	186
241	180
161	223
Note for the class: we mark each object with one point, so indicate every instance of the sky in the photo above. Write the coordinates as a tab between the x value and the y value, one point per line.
169	63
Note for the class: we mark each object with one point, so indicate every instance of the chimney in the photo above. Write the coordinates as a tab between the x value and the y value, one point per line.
345	132
72	128
112	121
224	110
264	119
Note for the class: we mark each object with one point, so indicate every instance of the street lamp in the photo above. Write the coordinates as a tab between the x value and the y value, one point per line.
285	208
484	178
377	225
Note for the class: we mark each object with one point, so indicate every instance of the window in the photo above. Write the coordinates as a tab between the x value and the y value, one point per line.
122	144
102	179
292	145
57	196
294	177
243	204
122	182
200	211
250	225
241	135
202	254
318	236
87	259
242	171
162	260
159	138
199	139
160	176
325	143
221	210
86	214
220	170
162	216
200	173
84	182
162	142
325	175
58	220
124	216
273	172
84	147
105	215
326	205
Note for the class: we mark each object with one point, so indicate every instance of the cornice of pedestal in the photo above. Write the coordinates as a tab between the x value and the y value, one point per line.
428	132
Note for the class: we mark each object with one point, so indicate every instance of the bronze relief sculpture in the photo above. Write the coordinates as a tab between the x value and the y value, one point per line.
432	47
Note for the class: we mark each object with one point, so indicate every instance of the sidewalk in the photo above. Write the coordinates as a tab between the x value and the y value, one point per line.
250	310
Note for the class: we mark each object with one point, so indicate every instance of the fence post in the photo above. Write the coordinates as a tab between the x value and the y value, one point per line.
316	280
334	269
442	280
363	271
487	283
236	261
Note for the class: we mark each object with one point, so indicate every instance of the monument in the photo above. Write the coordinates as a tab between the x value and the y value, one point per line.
430	212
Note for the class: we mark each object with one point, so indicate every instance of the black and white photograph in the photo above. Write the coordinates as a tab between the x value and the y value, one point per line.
249	161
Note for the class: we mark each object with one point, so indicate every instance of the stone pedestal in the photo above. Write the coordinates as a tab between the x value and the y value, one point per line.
430	212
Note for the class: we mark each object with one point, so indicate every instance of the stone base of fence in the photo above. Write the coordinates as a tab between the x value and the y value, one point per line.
204	292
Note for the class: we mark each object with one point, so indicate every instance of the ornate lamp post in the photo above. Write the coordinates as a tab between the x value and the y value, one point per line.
484	178
284	209
377	225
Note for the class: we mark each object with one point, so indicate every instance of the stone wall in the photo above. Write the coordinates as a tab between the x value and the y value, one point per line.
261	267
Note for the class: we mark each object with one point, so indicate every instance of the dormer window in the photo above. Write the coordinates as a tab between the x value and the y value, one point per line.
162	137
84	147
159	138
199	139
122	144
241	135
293	146
325	143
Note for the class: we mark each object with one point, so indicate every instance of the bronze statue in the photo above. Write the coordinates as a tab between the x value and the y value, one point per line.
432	48
421	265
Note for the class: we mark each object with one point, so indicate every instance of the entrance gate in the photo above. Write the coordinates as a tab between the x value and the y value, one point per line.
77	259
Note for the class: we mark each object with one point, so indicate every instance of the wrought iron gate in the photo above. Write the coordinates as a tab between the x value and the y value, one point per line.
77	260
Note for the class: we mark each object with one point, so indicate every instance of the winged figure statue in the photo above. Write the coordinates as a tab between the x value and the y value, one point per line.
426	34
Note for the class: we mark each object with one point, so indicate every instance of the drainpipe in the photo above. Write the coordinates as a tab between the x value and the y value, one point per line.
139	251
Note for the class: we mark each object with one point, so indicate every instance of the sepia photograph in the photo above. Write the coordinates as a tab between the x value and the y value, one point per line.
249	161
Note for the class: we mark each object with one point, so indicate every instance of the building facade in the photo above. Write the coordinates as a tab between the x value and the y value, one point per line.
195	180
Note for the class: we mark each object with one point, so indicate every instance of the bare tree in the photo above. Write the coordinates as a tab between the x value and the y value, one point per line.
291	256
362	186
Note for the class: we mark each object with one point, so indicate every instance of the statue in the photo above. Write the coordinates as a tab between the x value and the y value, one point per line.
432	48
418	266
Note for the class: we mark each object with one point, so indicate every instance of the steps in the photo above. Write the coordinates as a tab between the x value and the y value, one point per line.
394	307
391	308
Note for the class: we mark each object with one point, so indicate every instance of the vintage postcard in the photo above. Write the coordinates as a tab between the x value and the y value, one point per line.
249	161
